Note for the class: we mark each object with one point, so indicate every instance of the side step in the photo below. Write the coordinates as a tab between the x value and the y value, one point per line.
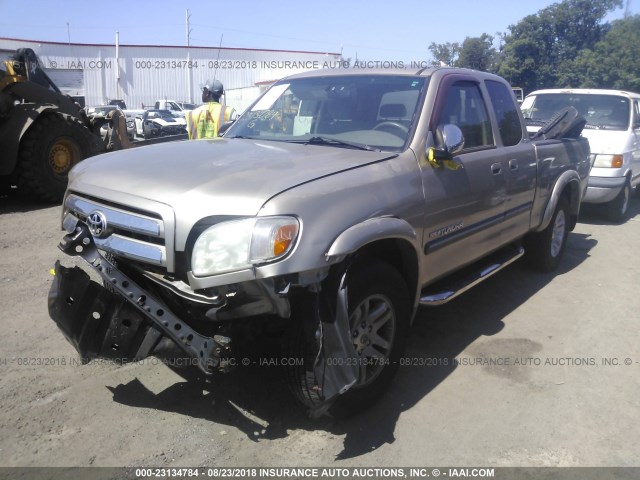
448	289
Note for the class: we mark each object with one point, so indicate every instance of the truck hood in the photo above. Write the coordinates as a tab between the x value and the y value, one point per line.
212	177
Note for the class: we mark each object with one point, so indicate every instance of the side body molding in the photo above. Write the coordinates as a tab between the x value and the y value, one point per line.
369	231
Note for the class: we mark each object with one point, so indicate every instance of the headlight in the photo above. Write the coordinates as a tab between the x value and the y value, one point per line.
239	244
608	161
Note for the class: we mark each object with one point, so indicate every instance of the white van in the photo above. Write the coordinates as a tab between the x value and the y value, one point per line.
613	130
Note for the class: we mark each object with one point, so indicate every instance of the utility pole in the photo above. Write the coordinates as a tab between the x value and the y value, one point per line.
626	9
187	16
69	38
118	65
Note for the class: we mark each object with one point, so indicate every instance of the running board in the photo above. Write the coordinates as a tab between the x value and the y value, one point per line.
478	273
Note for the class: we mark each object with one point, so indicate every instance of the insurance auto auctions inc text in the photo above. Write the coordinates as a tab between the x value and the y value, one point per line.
316	64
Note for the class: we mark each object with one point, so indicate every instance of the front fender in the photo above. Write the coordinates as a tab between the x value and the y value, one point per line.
370	231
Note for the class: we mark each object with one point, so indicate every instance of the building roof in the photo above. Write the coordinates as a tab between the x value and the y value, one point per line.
122	45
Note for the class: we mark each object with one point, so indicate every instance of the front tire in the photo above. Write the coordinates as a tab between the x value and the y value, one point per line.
544	250
618	208
48	151
379	310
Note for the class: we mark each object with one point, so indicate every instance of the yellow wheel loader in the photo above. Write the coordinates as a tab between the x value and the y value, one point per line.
44	133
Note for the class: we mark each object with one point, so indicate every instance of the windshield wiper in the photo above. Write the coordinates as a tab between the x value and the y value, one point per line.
320	140
605	127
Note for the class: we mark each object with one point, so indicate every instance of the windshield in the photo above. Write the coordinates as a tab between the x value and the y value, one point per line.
371	111
611	112
160	114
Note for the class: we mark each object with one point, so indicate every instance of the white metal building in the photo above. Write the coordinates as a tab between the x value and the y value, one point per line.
142	74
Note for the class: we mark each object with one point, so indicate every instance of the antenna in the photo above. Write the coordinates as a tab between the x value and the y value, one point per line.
215	72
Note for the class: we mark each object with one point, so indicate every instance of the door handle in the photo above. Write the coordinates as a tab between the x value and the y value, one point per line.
513	164
496	168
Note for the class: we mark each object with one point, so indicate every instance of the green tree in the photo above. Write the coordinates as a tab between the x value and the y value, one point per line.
541	49
477	53
614	62
444	53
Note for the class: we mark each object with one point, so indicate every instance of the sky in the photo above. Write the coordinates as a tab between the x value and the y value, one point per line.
375	30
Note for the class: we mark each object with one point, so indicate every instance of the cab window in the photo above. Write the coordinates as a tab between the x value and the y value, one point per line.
506	113
465	108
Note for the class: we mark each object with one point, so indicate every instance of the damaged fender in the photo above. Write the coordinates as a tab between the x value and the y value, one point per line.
336	367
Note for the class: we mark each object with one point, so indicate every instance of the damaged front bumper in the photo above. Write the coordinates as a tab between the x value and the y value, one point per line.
126	323
123	322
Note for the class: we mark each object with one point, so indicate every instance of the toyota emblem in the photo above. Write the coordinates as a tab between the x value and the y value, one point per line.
97	223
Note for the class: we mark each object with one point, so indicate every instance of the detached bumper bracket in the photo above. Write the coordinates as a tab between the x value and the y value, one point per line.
206	350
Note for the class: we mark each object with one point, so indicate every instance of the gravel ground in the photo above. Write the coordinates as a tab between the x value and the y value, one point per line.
524	370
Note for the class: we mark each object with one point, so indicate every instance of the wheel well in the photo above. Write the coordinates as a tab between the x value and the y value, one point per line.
398	253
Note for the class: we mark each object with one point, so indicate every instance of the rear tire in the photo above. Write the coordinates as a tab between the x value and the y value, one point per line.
618	208
5	185
544	250
379	310
48	151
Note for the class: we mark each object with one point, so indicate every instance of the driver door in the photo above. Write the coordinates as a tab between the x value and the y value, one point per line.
464	207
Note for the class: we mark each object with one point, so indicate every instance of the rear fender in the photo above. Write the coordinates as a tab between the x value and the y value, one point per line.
568	181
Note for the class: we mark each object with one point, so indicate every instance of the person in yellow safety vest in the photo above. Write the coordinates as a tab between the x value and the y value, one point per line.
205	121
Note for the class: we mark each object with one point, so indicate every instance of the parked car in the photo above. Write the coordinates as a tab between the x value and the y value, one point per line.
158	123
119	103
334	207
613	130
187	106
100	112
176	108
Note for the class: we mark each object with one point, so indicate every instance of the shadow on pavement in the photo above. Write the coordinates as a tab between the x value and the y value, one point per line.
13	203
596	214
255	399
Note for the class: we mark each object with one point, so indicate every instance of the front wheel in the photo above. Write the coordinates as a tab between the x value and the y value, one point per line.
48	151
379	310
618	207
544	250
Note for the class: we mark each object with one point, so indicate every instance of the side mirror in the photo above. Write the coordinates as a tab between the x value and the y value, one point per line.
451	142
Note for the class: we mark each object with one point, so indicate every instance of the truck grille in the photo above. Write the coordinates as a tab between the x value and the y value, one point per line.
137	235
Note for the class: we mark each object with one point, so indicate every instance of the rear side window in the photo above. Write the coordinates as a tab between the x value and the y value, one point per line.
506	113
